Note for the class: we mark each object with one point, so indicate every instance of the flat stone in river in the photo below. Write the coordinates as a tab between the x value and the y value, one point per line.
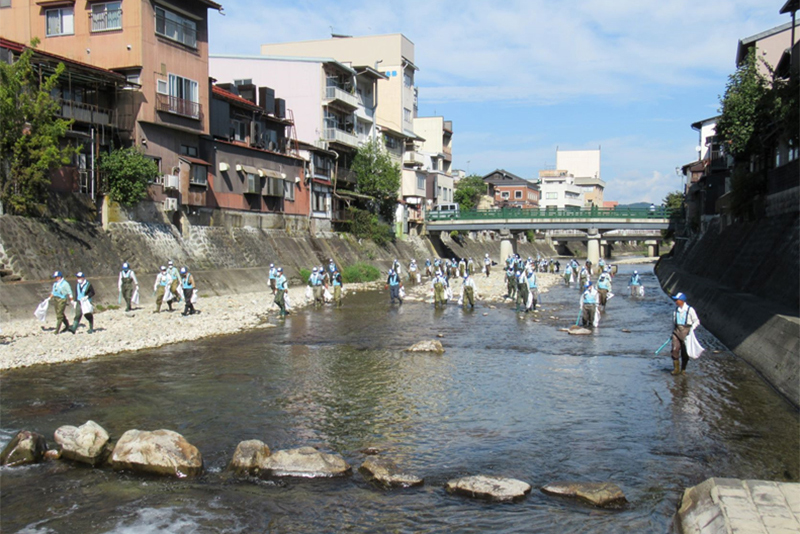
304	462
601	494
160	452
385	472
85	443
489	487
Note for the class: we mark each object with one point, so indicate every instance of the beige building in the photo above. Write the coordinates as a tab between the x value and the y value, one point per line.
769	45
161	48
436	152
584	167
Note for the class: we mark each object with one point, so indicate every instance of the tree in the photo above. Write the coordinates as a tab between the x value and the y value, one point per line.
673	202
377	176
469	190
30	134
127	172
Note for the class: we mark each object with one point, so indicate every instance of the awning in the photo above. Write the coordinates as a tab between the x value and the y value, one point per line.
194	161
246	168
269	173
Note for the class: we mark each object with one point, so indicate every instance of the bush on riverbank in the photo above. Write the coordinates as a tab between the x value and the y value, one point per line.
360	272
305	274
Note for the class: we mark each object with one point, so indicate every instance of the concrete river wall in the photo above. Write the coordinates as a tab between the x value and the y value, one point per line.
744	282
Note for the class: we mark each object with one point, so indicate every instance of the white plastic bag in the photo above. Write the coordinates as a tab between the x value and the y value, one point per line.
402	293
86	306
41	310
309	293
641	291
135	297
529	302
194	296
693	347
286	303
448	294
609	296
596	317
419	278
461	300
167	295
327	296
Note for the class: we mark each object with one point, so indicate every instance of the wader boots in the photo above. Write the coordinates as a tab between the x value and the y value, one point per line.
676	367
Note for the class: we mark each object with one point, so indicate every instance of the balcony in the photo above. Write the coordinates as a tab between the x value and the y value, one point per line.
335	95
185	34
104	21
413	159
178	106
335	135
86	113
448	153
718	160
347	176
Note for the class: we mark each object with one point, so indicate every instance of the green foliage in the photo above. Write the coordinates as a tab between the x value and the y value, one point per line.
673	201
305	274
468	191
30	134
360	272
530	234
127	172
377	176
745	108
366	225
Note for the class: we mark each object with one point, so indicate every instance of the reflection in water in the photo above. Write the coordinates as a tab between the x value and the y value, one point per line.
510	396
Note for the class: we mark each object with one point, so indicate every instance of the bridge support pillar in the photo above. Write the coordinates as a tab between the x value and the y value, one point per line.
605	250
652	247
508	245
593	246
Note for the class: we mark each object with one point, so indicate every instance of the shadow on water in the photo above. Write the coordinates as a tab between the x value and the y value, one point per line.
510	396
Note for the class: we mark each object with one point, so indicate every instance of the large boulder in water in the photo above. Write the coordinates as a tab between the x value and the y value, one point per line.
489	487
160	452
86	443
385	472
249	456
427	346
25	448
305	462
575	330
601	494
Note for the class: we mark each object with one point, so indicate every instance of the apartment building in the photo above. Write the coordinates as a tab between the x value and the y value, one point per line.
584	167
393	56
436	152
161	48
512	191
558	190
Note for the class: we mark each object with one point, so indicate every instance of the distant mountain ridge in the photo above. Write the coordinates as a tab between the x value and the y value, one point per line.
634	205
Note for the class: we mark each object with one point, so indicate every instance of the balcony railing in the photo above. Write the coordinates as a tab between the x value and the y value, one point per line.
346	175
413	159
178	106
87	113
106	20
176	31
340	136
718	159
334	93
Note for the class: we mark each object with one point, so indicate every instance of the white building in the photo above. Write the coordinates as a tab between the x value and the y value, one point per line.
584	167
437	157
558	190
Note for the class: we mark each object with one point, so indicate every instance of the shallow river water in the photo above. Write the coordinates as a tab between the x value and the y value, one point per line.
510	396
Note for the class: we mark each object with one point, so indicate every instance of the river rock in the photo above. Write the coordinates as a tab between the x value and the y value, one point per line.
160	452
304	462
489	487
427	346
249	456
385	472
86	443
25	448
579	331
601	494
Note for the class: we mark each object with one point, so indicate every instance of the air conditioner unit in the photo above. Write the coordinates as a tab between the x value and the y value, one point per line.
172	182
170	204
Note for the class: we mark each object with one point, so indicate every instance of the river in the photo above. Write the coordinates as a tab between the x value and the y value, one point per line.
510	396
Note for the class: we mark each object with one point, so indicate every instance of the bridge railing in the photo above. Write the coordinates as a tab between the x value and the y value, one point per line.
560	213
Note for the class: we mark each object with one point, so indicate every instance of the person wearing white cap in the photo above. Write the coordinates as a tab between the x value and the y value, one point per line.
439	285
468	289
280	291
187	282
127	284
487	263
84	293
175	278
163	280
62	292
588	302
635	283
685	321
273	277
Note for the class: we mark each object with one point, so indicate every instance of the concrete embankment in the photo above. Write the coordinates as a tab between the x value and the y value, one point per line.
745	295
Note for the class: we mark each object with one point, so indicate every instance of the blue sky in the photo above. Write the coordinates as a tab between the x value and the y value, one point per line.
520	78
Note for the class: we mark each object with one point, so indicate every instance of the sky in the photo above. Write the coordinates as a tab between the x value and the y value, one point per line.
521	78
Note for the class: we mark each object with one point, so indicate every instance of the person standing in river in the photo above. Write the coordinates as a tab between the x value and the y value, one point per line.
337	288
280	292
635	284
468	288
84	293
62	293
127	284
439	285
685	321
394	286
588	303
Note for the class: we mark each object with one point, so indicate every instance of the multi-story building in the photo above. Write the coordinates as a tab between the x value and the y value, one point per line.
333	110
88	95
769	46
512	191
558	190
162	48
393	56
584	167
436	152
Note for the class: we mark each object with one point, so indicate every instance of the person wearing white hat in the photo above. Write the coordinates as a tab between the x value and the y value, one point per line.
163	280
439	285
127	284
685	321
62	292
273	277
280	291
187	282
588	304
487	263
84	293
635	283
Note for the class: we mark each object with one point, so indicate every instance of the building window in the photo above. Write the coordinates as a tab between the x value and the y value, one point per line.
184	88
408	80
199	175
107	16
504	194
183	97
5	3
407	114
517	194
190	151
175	27
319	201
551	196
288	190
793	151
134	78
161	87
246	81
420	181
60	21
